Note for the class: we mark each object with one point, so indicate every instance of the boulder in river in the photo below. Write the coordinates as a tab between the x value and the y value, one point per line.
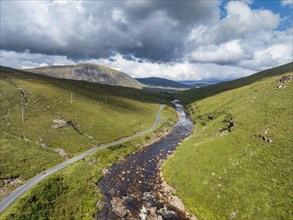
167	214
152	213
100	204
143	213
119	207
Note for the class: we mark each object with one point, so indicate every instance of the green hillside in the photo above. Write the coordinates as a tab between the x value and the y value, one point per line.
62	118
89	72
161	82
238	162
73	192
192	95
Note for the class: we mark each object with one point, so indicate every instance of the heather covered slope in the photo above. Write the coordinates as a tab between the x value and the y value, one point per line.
89	72
238	162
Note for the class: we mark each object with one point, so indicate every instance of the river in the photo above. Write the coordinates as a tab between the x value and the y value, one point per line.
132	186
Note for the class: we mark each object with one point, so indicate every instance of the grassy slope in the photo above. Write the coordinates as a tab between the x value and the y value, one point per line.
22	155
161	82
192	95
224	174
72	193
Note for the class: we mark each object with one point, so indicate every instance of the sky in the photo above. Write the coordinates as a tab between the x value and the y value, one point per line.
179	40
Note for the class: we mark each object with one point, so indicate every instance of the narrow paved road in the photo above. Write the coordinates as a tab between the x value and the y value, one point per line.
10	198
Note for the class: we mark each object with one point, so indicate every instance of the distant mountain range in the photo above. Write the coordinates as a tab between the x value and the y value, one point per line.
89	72
198	83
190	82
161	82
106	75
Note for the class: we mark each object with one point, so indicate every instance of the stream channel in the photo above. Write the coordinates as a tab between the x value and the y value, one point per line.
132	187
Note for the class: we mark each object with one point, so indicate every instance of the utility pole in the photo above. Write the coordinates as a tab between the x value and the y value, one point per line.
71	97
22	113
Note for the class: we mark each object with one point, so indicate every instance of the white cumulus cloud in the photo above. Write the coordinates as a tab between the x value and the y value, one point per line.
287	2
172	39
228	52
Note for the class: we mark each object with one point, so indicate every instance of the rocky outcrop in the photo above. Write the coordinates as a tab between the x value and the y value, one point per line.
231	124
41	143
167	194
264	138
61	122
61	152
8	183
282	82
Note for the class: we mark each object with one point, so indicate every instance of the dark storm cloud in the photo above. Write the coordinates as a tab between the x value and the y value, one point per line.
172	39
154	30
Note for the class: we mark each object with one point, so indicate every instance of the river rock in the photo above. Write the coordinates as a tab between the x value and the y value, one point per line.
119	207
177	202
100	204
160	217
149	196
141	168
152	213
143	213
167	214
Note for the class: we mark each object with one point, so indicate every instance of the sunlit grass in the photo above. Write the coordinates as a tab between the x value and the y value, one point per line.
73	192
219	174
28	146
